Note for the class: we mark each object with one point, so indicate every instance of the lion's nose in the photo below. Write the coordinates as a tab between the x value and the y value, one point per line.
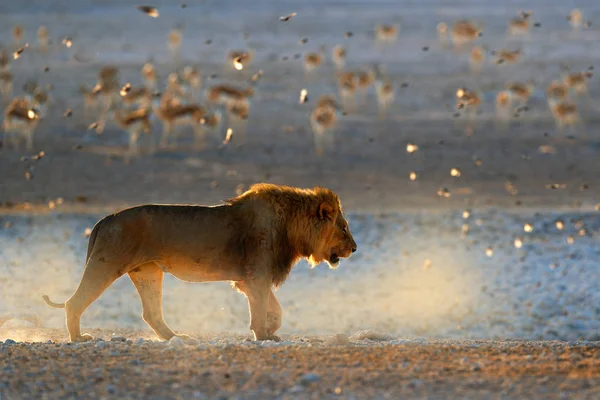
354	249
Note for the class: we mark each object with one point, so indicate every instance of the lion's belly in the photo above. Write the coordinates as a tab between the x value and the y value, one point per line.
202	269
195	274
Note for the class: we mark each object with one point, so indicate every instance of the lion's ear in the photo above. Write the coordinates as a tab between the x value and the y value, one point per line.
326	212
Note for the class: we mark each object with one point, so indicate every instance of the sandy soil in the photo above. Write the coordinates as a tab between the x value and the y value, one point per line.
300	368
417	275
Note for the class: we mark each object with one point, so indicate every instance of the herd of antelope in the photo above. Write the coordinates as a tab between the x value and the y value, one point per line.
181	100
513	99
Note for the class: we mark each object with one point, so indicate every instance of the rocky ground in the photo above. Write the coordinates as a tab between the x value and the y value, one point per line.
225	366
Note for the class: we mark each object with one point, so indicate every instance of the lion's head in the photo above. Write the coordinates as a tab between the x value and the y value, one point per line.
313	221
334	240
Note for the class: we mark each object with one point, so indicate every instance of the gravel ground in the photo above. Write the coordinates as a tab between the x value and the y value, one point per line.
225	366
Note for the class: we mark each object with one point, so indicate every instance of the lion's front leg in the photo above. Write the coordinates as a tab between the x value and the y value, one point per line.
274	314
258	292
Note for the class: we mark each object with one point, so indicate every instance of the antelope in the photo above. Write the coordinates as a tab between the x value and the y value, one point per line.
347	86
40	101
312	61
149	75
173	114
174	86
107	87
519	25
557	90
476	59
384	89
211	120
338	55
521	91
168	99
17	35
29	87
575	18
42	36
6	83
134	122
136	96
564	113
108	75
109	96
21	119
504	108
4	60
90	100
578	81
323	119
366	79
386	33
239	109
464	32
468	100
442	31
193	81
174	43
507	56
226	94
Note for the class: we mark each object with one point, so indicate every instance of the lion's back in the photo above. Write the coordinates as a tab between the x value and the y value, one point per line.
235	232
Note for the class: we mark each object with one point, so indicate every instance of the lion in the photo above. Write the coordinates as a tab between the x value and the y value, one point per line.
252	240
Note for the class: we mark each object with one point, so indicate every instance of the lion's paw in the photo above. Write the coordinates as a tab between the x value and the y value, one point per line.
274	338
86	337
189	340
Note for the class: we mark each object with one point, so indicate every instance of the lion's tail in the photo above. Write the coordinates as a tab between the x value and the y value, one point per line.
51	303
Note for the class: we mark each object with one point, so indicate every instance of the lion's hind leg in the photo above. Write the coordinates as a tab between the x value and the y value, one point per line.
148	280
97	277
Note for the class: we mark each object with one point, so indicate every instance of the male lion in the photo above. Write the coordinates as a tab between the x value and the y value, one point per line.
253	240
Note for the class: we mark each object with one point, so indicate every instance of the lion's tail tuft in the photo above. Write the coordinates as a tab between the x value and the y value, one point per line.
51	303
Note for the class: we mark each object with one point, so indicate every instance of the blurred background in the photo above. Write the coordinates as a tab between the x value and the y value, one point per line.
475	214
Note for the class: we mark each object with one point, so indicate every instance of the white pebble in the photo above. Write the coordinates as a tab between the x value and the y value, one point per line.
101	345
338	339
176	342
371	335
309	378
